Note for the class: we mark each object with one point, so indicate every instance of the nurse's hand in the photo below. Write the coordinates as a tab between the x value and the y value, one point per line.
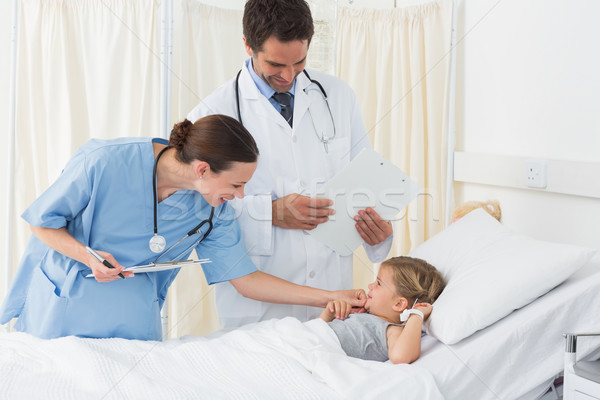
371	227
355	297
296	211
104	274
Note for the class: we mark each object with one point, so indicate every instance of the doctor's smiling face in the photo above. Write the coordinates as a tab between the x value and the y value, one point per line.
218	187
279	63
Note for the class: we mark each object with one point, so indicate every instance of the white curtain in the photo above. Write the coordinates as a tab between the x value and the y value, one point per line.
86	68
397	61
208	52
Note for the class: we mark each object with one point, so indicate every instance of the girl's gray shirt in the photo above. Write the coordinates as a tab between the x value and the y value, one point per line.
363	336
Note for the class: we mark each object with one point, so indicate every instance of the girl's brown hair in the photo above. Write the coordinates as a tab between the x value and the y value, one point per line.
217	139
415	279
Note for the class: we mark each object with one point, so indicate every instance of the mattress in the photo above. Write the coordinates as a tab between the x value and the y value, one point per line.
520	355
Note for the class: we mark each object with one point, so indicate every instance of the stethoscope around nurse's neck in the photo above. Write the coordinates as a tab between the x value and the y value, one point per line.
324	139
157	242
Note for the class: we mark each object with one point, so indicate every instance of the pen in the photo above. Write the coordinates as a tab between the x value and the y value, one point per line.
101	259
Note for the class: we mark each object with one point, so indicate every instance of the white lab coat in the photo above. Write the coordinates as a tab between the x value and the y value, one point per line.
290	161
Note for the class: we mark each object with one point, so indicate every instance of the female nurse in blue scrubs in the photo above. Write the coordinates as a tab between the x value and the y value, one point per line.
131	199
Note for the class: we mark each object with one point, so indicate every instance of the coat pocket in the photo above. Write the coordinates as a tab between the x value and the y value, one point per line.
44	310
337	155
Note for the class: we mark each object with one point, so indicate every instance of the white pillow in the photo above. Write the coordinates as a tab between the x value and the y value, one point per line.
490	271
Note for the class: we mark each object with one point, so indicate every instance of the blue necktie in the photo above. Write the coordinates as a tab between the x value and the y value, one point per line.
285	101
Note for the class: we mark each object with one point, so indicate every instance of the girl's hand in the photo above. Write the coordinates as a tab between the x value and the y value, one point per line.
355	297
425	308
336	309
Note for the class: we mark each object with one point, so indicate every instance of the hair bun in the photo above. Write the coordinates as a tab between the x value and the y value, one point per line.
179	134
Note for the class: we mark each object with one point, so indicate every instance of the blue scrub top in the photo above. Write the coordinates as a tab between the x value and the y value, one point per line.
104	199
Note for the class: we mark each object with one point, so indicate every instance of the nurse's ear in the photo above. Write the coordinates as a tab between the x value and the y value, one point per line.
201	168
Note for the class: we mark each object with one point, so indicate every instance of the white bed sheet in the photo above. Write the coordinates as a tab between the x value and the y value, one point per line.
276	359
523	352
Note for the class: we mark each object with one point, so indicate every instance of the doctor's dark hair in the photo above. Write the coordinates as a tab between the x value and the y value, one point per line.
217	139
287	20
415	279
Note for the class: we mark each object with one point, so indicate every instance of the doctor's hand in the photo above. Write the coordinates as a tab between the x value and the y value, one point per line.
104	274
355	297
296	211
371	227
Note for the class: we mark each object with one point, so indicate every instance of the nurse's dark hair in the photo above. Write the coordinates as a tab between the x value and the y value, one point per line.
217	139
287	20
415	279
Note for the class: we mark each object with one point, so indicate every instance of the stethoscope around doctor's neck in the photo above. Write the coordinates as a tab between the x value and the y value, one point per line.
157	242
322	137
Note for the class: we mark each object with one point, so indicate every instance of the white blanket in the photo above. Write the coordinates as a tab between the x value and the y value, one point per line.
277	359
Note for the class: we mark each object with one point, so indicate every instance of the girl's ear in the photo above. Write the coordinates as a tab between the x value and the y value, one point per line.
400	305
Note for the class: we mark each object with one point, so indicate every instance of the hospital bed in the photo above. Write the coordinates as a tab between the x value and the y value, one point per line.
522	355
518	357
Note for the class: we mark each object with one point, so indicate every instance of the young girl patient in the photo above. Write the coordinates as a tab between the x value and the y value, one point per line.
397	304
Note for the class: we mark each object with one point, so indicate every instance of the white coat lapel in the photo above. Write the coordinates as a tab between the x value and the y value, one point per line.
301	99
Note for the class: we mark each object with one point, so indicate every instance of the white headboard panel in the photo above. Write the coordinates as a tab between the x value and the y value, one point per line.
567	177
567	210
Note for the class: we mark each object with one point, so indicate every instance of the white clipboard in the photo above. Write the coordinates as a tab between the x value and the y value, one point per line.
368	181
153	267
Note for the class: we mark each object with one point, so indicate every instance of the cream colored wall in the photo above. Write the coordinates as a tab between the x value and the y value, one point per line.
527	86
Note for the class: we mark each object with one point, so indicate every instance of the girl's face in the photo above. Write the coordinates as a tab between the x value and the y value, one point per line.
217	188
382	299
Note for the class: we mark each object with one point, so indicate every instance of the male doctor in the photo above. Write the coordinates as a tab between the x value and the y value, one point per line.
304	140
